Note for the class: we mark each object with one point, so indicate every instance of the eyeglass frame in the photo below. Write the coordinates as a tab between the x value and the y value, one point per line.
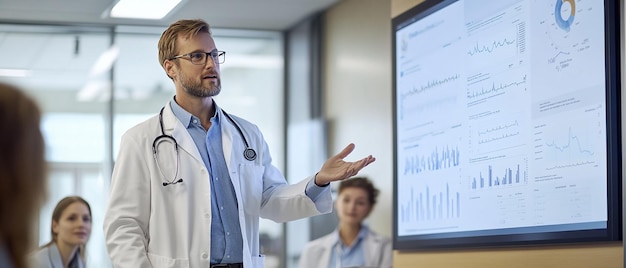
218	54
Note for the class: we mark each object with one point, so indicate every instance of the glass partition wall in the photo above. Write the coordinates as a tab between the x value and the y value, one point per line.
93	83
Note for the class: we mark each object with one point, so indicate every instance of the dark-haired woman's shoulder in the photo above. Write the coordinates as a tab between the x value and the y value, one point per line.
43	257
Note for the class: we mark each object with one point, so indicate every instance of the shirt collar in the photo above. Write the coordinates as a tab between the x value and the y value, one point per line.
187	118
362	233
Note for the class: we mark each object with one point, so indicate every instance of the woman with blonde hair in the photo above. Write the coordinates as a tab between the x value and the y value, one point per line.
353	244
70	230
22	173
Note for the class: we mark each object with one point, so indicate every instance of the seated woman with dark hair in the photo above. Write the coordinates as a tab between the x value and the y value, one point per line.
70	230
353	244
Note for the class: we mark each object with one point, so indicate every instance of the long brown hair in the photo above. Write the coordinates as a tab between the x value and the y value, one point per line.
22	171
56	217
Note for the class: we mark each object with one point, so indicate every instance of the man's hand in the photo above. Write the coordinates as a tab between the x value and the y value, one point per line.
335	169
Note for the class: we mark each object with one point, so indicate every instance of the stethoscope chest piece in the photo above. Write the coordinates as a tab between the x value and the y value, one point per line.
249	154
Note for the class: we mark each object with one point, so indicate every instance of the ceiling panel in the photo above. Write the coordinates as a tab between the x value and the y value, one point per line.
66	55
238	14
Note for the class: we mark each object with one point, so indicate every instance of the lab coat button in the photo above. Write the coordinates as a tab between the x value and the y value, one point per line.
205	255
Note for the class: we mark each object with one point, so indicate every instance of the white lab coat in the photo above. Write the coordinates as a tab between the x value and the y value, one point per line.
376	249
151	225
50	257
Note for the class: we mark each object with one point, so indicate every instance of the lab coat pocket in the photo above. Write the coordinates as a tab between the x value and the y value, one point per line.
158	261
258	261
251	183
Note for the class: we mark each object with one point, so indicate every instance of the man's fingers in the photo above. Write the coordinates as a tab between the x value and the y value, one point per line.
366	161
346	151
355	167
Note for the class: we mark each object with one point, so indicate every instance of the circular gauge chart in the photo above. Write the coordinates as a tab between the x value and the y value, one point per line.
564	13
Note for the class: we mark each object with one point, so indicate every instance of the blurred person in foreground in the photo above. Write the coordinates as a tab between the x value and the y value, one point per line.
70	229
190	184
353	244
22	174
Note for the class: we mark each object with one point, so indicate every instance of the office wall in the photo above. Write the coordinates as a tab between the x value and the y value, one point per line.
357	89
357	92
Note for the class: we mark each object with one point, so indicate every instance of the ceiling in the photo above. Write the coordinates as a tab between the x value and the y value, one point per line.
63	58
239	14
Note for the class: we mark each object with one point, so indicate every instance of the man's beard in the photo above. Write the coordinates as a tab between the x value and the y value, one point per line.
196	89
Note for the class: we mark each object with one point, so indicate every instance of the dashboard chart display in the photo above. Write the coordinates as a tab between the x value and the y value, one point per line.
505	123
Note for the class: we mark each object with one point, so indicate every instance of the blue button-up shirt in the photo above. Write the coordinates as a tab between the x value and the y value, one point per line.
226	237
349	256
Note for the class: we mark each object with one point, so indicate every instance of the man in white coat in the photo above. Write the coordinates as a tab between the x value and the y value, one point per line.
190	183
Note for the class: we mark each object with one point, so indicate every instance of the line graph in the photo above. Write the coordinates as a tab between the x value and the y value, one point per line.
497	134
565	147
490	48
553	58
571	146
498	128
423	107
498	137
418	99
430	84
503	43
479	94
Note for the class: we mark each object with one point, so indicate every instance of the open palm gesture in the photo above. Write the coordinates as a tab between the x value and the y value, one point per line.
335	169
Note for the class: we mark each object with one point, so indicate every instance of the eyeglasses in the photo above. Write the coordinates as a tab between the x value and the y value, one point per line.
200	58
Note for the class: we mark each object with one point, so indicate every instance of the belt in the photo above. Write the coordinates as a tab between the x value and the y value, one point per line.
227	265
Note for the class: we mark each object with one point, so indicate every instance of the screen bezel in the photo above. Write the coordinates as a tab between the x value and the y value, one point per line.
613	230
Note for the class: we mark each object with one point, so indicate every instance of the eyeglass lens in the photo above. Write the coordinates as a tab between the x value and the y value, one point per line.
201	57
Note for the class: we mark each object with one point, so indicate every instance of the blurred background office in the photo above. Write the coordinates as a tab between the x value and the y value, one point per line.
313	74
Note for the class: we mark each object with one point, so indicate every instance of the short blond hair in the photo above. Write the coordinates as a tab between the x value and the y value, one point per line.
182	28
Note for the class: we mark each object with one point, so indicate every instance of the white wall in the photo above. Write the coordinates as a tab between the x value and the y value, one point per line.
357	92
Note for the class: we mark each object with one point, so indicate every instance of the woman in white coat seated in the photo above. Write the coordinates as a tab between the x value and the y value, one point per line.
353	244
70	230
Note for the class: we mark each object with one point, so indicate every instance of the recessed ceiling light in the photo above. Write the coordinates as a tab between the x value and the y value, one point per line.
14	72
143	9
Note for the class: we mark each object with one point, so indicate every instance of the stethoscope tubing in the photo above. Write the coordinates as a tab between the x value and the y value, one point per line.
248	153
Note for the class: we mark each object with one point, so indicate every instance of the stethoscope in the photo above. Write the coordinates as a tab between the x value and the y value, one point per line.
249	153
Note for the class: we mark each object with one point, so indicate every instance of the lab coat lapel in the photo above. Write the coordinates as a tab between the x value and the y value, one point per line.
227	139
172	125
54	256
372	248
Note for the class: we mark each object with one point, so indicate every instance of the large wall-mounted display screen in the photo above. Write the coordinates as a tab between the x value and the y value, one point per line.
506	123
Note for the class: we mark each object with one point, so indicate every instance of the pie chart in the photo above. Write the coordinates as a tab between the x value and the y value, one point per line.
564	13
